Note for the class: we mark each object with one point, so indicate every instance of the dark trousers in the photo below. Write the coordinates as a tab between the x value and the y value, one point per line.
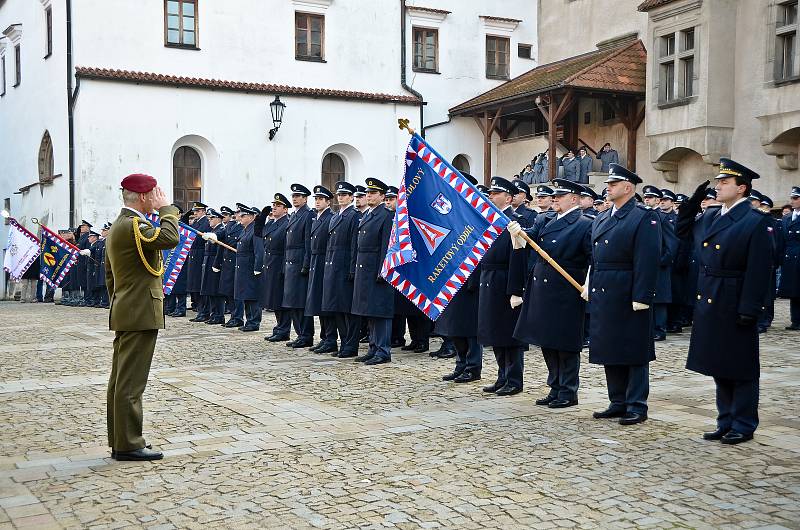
217	308
303	325
130	367
380	337
327	329
169	304
237	310
510	363
794	311
363	330
562	373
252	310
399	329
768	315
284	323
737	405
420	328
348	326
628	387
675	315
660	312
469	355
103	297
203	306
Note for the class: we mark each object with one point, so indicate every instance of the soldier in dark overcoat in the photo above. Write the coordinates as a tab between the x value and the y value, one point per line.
91	299
316	271
734	248
626	250
790	262
211	274
79	278
273	240
101	271
496	316
337	288
249	258
652	199
195	262
225	261
552	310
297	260
373	296
175	301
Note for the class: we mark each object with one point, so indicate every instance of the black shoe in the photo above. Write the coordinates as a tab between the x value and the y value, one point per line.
733	438
291	343
793	327
422	347
585	344
139	455
300	343
632	418
609	413
562	403
405	347
114	453
508	390
328	348
345	355
198	319
364	340
674	329
493	388
248	328
376	360
364	358
178	315
762	329
467	377
233	323
716	435
316	347
451	376
215	321
546	400
448	353
659	337
276	338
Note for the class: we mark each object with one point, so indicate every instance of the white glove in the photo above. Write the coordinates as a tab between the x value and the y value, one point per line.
515	301
585	291
214	269
86	252
209	236
256	273
515	230
637	306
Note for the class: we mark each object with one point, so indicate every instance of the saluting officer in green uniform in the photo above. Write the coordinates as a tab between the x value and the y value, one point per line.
134	272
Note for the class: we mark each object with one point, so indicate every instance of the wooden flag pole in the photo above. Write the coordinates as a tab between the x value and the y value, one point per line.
552	262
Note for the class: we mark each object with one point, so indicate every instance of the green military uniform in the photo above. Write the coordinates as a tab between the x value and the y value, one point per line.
134	279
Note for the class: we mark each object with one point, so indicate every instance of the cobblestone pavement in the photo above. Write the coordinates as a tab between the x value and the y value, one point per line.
258	435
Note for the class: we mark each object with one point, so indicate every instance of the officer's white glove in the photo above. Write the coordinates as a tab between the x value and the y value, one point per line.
515	230
86	252
637	306
209	236
256	273
585	291
515	301
214	269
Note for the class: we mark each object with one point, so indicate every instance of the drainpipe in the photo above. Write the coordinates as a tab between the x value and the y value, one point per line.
403	68
71	98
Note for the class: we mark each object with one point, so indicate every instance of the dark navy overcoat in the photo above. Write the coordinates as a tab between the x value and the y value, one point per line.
337	292
316	270
372	295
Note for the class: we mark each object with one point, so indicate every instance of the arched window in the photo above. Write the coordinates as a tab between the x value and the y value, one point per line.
186	183
461	163
46	159
332	170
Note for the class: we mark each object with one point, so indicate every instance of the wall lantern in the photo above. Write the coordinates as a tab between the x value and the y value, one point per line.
276	108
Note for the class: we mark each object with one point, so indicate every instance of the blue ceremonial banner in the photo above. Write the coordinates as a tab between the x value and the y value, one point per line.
175	258
57	257
442	228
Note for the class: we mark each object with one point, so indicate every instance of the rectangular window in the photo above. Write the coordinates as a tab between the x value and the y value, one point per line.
525	51
309	35
688	40
180	23
426	50
687	77
667	81
497	57
786	60
676	65
3	75
17	66
48	16
667	45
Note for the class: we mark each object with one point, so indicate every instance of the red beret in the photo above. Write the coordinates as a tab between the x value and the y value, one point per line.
138	183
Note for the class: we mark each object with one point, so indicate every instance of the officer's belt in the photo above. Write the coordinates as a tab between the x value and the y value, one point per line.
722	273
567	264
613	266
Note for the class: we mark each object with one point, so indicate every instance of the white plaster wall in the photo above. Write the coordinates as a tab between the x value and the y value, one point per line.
142	135
460	136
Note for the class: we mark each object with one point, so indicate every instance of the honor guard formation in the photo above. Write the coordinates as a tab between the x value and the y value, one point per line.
651	263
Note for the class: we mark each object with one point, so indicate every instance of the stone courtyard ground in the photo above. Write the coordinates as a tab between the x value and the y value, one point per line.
263	436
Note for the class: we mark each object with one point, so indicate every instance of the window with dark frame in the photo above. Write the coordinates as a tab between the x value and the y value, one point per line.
676	66
48	17
525	51
786	28
497	57
180	23
17	65
426	50
309	35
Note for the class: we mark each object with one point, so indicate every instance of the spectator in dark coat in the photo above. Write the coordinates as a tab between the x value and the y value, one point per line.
607	156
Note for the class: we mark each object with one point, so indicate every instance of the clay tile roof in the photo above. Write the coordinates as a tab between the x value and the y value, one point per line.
429	10
239	86
616	69
501	19
647	5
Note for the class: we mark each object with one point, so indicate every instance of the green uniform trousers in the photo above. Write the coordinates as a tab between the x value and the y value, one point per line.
130	367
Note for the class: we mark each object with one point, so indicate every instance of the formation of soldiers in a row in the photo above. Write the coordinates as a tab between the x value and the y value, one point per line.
651	265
